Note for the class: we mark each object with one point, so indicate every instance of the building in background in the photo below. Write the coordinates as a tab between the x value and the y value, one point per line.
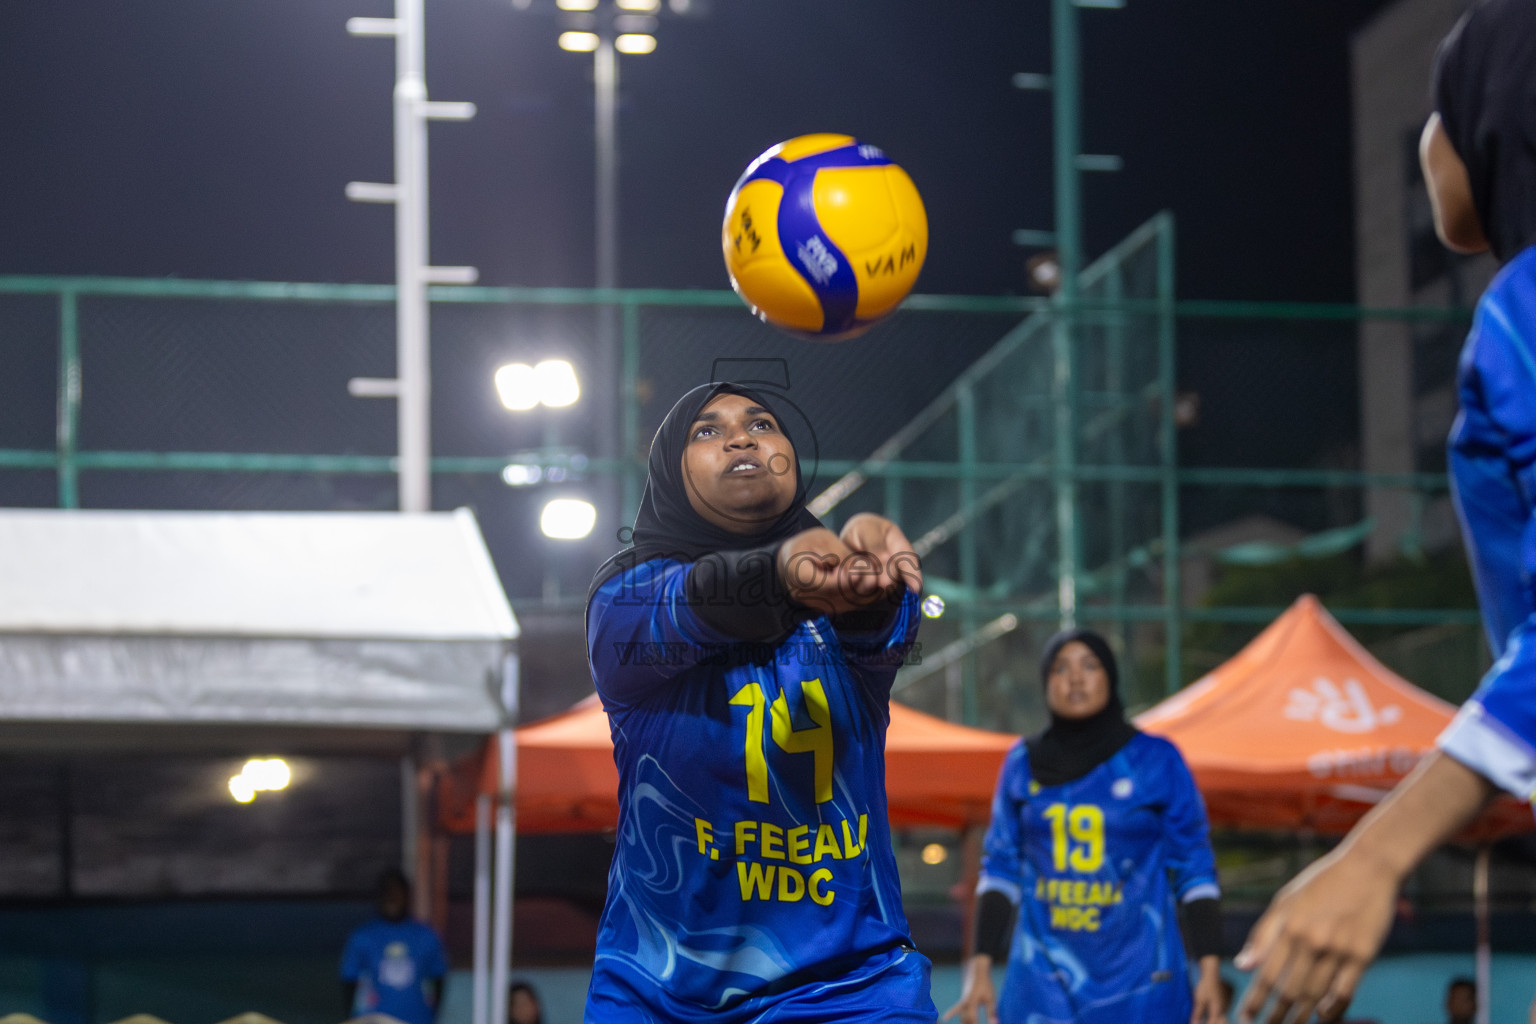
1407	368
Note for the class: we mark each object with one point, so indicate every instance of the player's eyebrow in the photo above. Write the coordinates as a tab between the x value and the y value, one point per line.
710	416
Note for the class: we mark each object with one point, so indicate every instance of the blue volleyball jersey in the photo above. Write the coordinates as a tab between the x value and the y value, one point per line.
1095	867
1493	480
753	877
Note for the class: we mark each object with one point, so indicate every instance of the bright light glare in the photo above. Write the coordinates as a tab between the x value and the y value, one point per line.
680	6
933	606
520	474
557	381
517	387
269	774
635	43
580	42
260	775
934	853
567	519
576	5
640	6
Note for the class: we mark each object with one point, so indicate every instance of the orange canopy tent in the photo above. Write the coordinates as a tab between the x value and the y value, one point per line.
1304	729
937	773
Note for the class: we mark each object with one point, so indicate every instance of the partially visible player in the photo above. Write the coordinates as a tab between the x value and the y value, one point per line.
1478	151
745	656
1098	840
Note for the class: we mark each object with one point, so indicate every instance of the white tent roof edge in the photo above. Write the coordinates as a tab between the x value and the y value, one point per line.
304	575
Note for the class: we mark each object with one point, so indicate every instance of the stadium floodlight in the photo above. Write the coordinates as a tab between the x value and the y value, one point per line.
557	383
640	6
521	474
633	43
578	42
576	5
568	519
517	386
935	853
260	775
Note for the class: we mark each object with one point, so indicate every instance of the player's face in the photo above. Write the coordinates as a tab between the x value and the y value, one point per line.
1077	685
394	901
739	467
523	1009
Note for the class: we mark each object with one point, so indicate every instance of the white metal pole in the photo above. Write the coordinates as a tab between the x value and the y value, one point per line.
411	386
413	366
605	81
482	909
506	837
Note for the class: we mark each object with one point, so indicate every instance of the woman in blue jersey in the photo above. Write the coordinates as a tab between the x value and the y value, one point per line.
1098	840
1478	154
745	655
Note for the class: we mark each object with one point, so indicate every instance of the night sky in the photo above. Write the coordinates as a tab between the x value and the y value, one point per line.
206	139
212	139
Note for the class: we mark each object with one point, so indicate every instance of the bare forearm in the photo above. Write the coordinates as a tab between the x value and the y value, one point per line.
1426	809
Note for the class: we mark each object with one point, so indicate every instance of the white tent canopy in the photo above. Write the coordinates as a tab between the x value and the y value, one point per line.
331	621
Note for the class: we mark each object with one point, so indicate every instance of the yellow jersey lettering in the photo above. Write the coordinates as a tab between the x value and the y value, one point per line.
773	841
799	843
1075	919
754	877
791	885
850	848
705	833
746	832
826	844
822	898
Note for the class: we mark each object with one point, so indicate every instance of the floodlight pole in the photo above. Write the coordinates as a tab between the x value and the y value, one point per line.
1066	92
412	384
605	82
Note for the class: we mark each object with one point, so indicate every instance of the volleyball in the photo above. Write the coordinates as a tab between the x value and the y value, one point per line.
824	236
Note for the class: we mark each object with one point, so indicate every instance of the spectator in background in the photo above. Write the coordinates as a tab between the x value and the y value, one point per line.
523	1006
393	964
1461	1001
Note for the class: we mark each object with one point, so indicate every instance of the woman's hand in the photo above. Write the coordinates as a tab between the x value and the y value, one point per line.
833	575
975	993
891	562
1325	927
1210	1000
814	566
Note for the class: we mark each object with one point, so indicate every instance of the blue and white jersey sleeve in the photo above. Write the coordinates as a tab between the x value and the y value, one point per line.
1186	834
874	655
1002	858
1493	476
641	632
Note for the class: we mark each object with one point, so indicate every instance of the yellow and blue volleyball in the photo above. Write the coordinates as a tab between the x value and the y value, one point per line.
823	236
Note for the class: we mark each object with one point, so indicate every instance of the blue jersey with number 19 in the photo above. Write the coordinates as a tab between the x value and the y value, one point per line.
1095	867
753	877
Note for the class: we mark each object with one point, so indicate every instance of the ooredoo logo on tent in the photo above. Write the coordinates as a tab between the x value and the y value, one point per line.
1343	710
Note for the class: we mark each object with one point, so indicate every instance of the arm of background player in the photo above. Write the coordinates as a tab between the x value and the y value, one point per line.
1325	927
1186	836
999	890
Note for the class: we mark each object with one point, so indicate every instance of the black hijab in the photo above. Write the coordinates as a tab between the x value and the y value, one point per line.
666	525
1070	748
